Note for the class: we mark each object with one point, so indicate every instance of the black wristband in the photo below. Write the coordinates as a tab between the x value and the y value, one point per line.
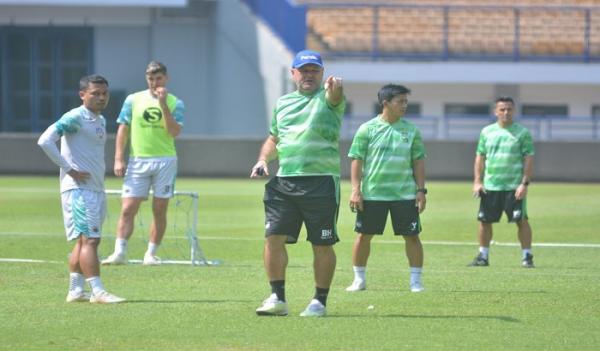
525	183
422	190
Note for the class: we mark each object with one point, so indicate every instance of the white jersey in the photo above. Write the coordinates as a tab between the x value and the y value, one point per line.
82	137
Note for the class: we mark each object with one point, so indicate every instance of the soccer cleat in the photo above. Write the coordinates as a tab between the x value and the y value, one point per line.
314	309
115	259
479	261
151	260
78	296
357	285
528	261
106	298
272	306
416	287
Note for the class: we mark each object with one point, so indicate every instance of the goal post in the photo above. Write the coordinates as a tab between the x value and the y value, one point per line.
182	223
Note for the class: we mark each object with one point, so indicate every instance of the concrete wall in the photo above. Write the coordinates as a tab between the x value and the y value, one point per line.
213	157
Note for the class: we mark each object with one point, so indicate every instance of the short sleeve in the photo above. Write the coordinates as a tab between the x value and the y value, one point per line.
126	111
360	143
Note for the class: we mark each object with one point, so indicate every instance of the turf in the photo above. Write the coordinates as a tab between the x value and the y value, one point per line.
551	307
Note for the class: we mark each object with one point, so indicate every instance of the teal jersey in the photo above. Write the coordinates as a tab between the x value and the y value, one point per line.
387	152
308	131
504	150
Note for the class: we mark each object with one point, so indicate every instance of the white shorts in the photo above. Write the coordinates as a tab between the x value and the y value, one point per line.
160	173
83	213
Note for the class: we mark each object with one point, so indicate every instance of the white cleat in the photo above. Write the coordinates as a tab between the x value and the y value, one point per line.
151	260
106	298
357	285
314	309
115	259
272	306
78	296
416	287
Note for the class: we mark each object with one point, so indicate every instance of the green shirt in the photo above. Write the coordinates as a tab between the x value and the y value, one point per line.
149	136
308	131
504	150
387	152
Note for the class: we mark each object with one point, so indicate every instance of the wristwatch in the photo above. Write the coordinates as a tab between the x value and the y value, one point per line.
422	190
525	183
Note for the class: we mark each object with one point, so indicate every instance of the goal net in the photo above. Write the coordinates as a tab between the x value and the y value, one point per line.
180	244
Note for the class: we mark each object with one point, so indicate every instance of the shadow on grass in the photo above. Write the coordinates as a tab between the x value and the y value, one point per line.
415	316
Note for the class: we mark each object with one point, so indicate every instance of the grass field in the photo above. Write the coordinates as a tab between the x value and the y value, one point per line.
555	306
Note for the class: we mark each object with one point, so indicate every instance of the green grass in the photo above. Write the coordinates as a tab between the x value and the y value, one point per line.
551	307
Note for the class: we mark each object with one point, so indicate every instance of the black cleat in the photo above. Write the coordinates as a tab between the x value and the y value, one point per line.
528	261
479	261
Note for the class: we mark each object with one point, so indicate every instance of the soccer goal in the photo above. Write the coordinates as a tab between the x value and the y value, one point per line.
180	244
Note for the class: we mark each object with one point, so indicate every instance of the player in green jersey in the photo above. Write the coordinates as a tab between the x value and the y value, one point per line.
388	176
503	170
304	136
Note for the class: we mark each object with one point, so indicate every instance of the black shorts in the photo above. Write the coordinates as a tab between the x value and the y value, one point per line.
312	200
493	203
372	219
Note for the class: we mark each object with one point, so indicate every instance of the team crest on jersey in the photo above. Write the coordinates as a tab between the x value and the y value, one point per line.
152	114
404	136
100	132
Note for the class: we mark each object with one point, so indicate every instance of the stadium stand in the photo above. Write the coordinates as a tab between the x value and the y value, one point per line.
533	29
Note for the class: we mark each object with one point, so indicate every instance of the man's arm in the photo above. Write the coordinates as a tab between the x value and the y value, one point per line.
478	174
521	191
120	146
334	90
173	128
268	152
356	199
47	142
419	174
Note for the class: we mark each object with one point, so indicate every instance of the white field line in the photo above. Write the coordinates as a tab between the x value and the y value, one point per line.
426	242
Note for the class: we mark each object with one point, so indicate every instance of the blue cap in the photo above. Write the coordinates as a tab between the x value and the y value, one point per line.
306	57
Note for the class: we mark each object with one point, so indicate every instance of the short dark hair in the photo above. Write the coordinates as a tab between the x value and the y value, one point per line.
388	91
156	67
85	81
505	99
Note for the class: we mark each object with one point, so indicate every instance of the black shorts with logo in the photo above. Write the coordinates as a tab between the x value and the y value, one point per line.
312	200
404	213
493	203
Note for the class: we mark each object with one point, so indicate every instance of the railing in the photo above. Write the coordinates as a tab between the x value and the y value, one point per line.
468	127
455	32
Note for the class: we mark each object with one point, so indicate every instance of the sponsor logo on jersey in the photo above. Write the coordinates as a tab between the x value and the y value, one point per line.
152	114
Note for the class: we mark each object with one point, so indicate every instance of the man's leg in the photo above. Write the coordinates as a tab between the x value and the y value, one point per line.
88	260
324	267
525	237
76	278
484	234
414	253
125	225
361	250
159	222
275	259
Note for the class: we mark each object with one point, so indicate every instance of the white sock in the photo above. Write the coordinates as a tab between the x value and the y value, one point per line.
76	282
359	273
415	274
121	246
525	252
152	247
484	251
96	285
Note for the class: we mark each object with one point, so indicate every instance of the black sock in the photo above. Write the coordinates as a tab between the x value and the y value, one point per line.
278	288
321	295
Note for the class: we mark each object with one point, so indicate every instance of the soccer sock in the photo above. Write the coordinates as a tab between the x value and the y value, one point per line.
278	288
484	251
525	252
321	295
152	247
120	246
76	281
359	273
96	285
415	274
